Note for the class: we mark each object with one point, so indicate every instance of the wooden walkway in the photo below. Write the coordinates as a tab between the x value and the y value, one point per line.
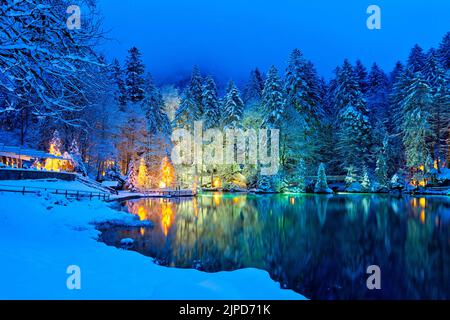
170	193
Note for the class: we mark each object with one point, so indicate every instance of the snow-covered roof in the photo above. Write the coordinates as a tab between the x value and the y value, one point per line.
15	152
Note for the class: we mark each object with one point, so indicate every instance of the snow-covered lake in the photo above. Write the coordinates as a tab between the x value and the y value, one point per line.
317	245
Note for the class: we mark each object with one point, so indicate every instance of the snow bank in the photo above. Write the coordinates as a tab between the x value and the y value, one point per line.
40	239
52	184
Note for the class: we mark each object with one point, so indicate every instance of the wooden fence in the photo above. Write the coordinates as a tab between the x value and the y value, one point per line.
78	194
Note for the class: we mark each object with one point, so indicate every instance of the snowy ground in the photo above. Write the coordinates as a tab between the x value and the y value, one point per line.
39	239
52	184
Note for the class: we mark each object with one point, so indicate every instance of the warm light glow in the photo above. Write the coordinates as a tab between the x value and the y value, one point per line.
142	212
422	168
53	164
217	183
143	177
161	212
167	174
421	183
216	198
292	201
422	203
56	164
195	205
195	185
422	216
167	217
37	165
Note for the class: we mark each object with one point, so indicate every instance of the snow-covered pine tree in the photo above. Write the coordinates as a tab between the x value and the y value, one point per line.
322	184
131	182
438	80
75	155
330	104
354	140
325	137
416	130
351	176
416	59
273	102
381	170
135	70
396	118
185	115
295	144
347	90
365	180
254	88
120	90
301	87
211	105
233	107
394	97
378	95
395	73
416	121
354	128
196	92
444	51
361	76
191	104
398	95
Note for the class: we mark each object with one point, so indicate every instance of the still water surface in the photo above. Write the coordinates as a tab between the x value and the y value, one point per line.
317	245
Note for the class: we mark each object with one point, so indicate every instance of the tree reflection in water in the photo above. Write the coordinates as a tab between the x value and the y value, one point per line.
319	246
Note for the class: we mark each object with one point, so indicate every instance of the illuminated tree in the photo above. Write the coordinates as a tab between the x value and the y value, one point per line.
143	179
55	147
167	174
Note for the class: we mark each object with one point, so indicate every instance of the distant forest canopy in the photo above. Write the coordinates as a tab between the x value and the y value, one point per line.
364	121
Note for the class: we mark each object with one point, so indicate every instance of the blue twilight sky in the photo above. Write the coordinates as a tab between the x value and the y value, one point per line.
230	37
